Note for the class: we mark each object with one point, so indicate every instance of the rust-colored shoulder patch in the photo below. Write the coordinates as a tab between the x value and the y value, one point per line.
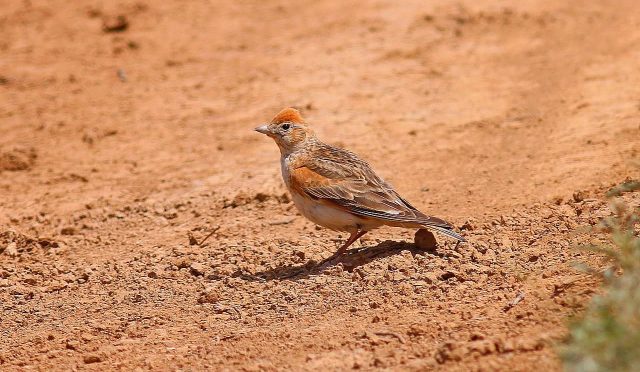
288	114
303	177
323	190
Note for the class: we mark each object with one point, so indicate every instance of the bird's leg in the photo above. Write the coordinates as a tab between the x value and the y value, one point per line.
352	238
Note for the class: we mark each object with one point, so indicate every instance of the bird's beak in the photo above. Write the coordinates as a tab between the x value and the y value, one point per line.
264	129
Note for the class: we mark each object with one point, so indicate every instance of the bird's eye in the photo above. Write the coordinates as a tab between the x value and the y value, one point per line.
286	126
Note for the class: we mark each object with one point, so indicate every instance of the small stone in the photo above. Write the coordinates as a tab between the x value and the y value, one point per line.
452	274
192	239
425	240
17	159
261	197
82	277
181	262
30	279
468	225
11	250
477	336
55	286
481	247
197	269
69	230
579	196
48	243
431	277
209	296
87	337
72	344
171	214
91	358
546	213
117	23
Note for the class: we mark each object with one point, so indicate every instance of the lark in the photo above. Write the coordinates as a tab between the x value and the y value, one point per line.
336	189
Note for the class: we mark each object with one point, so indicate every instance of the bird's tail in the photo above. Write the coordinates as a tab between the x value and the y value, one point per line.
437	224
446	231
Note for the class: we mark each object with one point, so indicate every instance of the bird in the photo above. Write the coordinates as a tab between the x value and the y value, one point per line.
336	189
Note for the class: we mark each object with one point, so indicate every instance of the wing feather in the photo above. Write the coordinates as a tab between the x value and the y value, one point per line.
338	177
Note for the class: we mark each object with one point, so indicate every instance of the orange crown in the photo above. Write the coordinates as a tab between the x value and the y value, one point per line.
288	114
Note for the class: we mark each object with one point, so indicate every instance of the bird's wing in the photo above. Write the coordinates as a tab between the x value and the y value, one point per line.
339	178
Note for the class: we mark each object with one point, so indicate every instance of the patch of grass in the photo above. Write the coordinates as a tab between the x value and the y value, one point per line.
607	337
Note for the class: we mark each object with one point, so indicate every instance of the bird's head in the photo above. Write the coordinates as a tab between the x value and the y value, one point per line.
288	129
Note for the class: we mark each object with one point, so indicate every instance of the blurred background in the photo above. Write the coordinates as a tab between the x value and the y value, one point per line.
524	100
125	124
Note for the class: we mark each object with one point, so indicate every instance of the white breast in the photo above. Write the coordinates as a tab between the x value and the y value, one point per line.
284	168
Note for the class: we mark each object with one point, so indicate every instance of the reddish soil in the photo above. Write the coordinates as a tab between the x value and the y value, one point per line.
126	126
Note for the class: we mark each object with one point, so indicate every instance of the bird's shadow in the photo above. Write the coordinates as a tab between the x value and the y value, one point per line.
350	260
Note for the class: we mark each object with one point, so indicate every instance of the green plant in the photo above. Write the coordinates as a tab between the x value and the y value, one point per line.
607	337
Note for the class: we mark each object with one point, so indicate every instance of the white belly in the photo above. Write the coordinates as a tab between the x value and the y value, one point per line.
331	218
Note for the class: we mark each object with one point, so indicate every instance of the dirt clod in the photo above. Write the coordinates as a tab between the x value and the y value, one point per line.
72	344
209	296
425	240
69	230
11	250
192	239
91	358
117	23
197	269
17	159
579	196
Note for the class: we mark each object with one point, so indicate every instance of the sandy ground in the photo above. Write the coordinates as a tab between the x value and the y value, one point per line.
118	139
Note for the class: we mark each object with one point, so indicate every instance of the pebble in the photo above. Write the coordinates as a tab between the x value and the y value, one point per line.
91	358
197	269
72	344
209	296
30	279
425	240
431	277
116	23
11	250
69	230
